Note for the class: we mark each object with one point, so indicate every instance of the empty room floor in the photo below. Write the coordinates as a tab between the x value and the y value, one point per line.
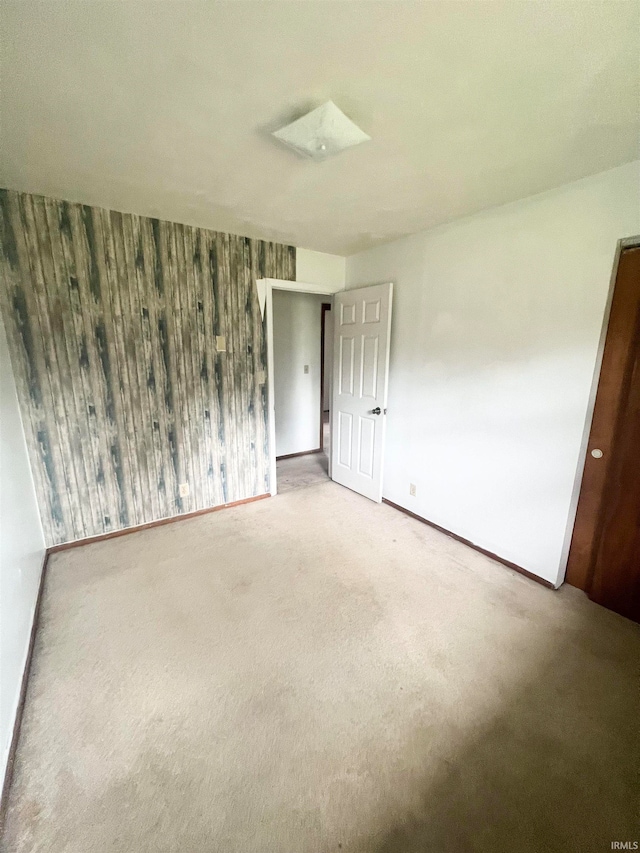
310	469
315	672
298	472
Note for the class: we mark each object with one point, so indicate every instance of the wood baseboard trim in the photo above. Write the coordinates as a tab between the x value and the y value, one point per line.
115	533
301	453
470	544
17	723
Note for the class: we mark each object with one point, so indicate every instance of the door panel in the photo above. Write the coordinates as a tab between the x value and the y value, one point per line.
367	446
370	368
371	312
344	439
616	571
347	355
361	368
347	315
604	558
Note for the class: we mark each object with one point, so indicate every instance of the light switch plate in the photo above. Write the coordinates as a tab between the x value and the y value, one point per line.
306	368
221	343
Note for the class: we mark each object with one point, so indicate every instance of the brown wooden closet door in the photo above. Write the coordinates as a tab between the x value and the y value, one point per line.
605	551
616	573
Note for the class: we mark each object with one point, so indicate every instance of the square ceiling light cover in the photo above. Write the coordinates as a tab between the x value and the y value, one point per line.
322	133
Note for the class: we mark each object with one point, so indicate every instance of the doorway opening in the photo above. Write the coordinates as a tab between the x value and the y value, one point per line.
301	355
326	370
357	330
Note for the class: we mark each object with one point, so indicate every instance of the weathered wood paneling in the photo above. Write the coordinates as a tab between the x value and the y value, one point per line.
112	322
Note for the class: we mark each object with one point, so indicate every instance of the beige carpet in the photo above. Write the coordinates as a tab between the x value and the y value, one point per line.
302	471
317	673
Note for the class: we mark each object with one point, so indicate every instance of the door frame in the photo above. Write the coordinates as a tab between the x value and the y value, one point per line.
266	286
588	495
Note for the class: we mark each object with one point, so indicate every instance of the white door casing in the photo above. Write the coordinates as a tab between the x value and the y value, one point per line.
362	326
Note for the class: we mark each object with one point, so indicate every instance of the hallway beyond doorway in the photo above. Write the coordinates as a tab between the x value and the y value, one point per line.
298	472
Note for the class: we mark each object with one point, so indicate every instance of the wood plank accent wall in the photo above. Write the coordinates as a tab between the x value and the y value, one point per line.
112	322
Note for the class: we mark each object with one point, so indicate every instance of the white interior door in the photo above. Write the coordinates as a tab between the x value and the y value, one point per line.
362	326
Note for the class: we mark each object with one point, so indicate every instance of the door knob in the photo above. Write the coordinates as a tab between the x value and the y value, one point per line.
376	411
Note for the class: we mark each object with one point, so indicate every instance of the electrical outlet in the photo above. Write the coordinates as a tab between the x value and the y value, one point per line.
183	490
412	489
221	343
306	368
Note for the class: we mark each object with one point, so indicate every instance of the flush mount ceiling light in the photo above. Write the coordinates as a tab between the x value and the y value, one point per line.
322	133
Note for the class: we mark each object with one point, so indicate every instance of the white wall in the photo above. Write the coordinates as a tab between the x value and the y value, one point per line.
296	342
496	326
320	268
21	550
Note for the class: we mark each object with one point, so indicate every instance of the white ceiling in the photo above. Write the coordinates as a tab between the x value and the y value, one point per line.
165	108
